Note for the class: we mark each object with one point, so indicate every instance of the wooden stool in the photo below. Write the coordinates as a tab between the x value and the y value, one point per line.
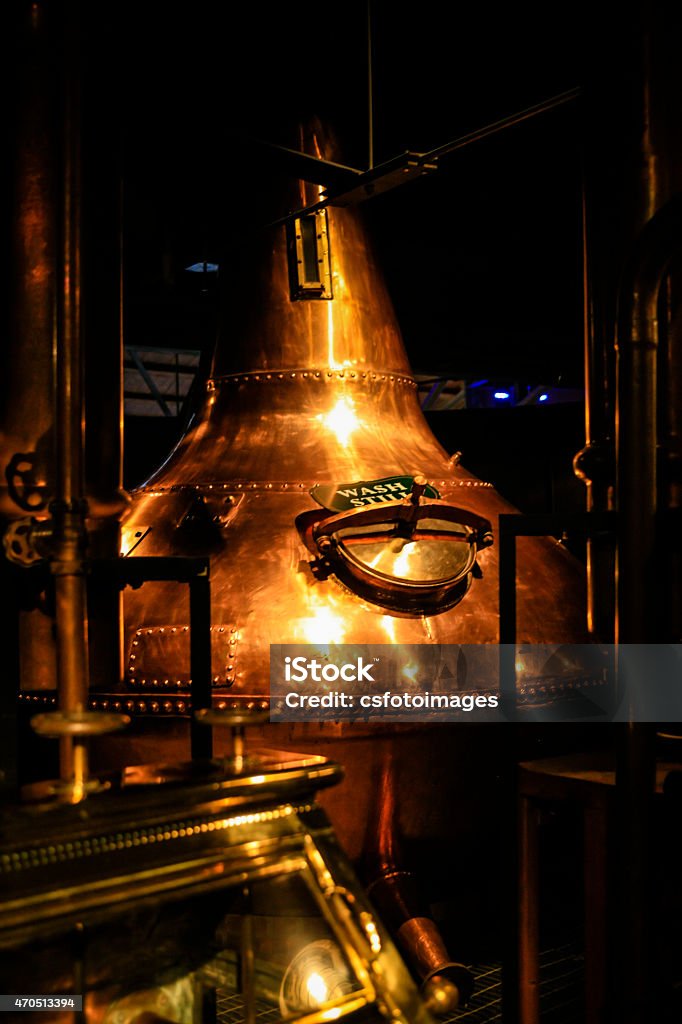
587	780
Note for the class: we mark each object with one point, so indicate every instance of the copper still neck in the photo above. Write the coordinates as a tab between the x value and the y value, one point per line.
304	390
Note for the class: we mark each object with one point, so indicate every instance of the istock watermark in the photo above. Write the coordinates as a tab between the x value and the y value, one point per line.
476	682
299	670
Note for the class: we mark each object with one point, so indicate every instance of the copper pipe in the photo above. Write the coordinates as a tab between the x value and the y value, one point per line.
589	371
636	421
67	563
394	890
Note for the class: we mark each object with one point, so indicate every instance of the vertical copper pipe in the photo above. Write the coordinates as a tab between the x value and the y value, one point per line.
588	362
69	508
637	423
593	464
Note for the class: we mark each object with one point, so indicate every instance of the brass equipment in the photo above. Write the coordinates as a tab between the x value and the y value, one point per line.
189	892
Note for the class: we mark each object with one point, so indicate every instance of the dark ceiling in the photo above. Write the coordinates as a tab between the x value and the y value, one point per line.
482	259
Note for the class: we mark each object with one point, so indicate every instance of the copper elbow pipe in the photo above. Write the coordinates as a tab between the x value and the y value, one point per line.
393	889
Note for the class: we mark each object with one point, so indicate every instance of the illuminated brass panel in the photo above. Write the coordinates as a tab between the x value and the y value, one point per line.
234	891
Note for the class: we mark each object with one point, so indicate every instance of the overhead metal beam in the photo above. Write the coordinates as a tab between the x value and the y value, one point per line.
355	187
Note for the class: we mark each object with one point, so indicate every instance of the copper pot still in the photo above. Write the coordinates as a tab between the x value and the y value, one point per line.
311	388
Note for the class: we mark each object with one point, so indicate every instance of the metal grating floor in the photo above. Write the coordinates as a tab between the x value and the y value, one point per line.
560	991
560	995
230	1010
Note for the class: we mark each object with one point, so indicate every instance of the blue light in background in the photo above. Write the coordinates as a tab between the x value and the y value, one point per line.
203	268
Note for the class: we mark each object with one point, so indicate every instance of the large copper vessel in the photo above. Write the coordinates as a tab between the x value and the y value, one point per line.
304	392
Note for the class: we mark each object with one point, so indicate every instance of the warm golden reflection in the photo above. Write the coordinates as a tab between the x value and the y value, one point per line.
330	335
399	547
323	627
317	990
342	420
410	672
388	623
401	564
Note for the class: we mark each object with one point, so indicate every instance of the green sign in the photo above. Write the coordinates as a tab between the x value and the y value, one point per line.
341	497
